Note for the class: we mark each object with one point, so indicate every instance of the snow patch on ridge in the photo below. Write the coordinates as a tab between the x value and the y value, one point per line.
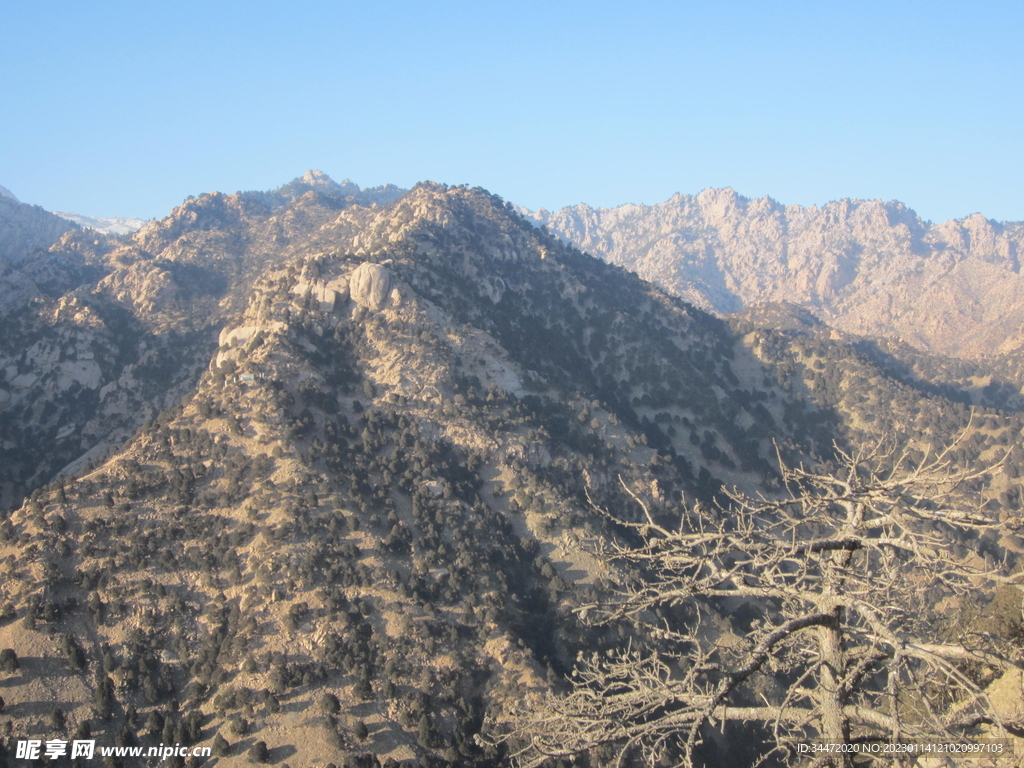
117	225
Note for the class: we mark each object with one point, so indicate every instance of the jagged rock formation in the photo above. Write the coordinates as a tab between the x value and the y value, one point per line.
370	285
866	267
321	182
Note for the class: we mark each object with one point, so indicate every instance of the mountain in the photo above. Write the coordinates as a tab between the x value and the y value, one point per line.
24	228
101	334
310	469
866	267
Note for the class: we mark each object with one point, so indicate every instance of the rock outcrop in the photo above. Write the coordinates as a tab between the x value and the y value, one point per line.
370	285
145	287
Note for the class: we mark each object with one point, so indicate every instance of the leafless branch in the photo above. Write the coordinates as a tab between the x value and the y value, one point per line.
841	648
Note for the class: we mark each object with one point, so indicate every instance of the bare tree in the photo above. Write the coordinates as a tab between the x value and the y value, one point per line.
836	591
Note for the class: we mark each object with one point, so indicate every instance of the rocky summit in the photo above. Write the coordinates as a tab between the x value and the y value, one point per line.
324	475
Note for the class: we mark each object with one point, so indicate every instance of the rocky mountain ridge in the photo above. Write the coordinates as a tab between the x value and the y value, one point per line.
866	267
97	328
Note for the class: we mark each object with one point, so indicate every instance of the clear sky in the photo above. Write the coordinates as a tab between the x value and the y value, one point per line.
124	109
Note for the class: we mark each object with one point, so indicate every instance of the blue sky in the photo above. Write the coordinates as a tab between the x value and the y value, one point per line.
125	108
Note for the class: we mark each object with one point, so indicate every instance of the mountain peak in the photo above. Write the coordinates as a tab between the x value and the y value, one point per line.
4	192
318	181
315	178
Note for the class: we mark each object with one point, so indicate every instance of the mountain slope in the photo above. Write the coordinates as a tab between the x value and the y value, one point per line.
25	228
102	335
363	496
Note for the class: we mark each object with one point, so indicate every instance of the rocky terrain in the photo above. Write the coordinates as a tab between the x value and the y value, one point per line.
863	266
322	468
97	332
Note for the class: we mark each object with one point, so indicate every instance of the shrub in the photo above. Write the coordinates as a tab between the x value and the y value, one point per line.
258	752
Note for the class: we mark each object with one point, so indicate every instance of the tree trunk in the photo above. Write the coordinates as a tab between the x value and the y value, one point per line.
835	728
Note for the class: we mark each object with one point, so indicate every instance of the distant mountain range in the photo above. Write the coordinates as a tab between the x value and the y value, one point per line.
117	225
863	266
